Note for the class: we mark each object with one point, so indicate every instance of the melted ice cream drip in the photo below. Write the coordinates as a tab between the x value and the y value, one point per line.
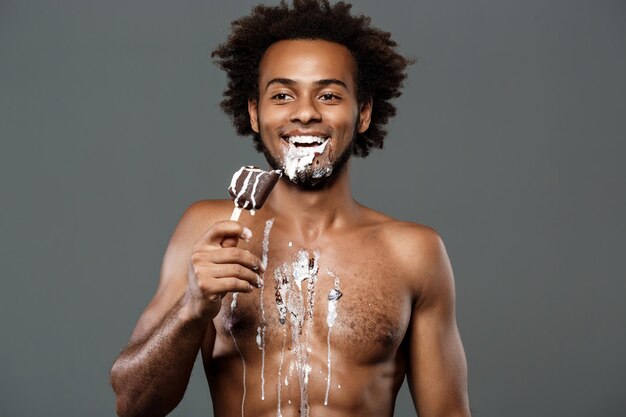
288	376
260	336
333	296
266	241
259	342
288	379
313	268
233	305
280	370
296	305
281	282
305	267
297	158
306	367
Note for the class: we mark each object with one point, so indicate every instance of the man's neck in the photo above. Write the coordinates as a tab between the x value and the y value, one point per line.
313	212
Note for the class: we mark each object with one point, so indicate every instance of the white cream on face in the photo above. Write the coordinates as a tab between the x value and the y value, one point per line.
300	154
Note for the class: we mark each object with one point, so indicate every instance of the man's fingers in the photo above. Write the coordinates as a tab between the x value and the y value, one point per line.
208	273
226	285
218	267
225	233
237	256
236	271
229	242
211	288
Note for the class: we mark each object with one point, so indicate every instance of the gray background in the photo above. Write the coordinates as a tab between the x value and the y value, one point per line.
509	141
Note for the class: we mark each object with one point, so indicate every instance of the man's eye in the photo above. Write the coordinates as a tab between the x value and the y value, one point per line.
329	97
280	97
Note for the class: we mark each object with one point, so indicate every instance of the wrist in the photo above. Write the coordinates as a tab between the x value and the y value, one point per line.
191	311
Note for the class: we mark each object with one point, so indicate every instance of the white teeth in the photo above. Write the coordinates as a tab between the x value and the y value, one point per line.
306	139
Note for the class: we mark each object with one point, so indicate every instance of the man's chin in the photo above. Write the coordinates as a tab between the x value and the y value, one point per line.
315	179
311	178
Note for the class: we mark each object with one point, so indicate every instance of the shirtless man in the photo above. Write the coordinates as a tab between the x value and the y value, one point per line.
335	303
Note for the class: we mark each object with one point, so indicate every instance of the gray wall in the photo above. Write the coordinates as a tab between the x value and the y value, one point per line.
509	140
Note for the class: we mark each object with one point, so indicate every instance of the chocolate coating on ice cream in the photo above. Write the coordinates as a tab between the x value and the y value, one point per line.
251	186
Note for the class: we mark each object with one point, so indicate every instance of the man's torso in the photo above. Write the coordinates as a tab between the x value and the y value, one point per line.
325	334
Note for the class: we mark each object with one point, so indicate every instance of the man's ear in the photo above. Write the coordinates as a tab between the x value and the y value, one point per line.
365	115
253	113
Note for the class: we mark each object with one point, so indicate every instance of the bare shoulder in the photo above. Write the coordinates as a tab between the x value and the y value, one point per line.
193	224
422	255
417	253
198	218
415	245
206	211
409	243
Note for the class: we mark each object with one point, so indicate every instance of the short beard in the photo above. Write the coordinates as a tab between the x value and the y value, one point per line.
313	179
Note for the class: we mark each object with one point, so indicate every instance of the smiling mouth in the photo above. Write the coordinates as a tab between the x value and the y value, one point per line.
306	141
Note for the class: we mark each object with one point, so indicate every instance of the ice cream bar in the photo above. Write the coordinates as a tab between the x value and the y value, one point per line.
250	187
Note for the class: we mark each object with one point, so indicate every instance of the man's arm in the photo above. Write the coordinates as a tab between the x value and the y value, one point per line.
437	373
151	374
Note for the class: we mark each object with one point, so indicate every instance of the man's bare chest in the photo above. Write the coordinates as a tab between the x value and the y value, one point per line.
342	289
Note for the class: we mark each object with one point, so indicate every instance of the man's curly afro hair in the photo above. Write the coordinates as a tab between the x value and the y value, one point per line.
380	69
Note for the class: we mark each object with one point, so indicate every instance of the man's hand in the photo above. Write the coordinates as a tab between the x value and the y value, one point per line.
217	266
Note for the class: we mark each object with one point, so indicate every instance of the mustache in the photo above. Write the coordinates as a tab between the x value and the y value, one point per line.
318	129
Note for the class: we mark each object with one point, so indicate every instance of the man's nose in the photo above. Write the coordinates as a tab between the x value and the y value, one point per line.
305	111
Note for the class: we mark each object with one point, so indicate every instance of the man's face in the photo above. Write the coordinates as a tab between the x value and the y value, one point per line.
307	112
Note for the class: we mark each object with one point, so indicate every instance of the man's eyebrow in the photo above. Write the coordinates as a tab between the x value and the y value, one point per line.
285	81
321	83
331	81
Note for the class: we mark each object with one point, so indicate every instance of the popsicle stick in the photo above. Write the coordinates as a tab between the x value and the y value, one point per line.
236	213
